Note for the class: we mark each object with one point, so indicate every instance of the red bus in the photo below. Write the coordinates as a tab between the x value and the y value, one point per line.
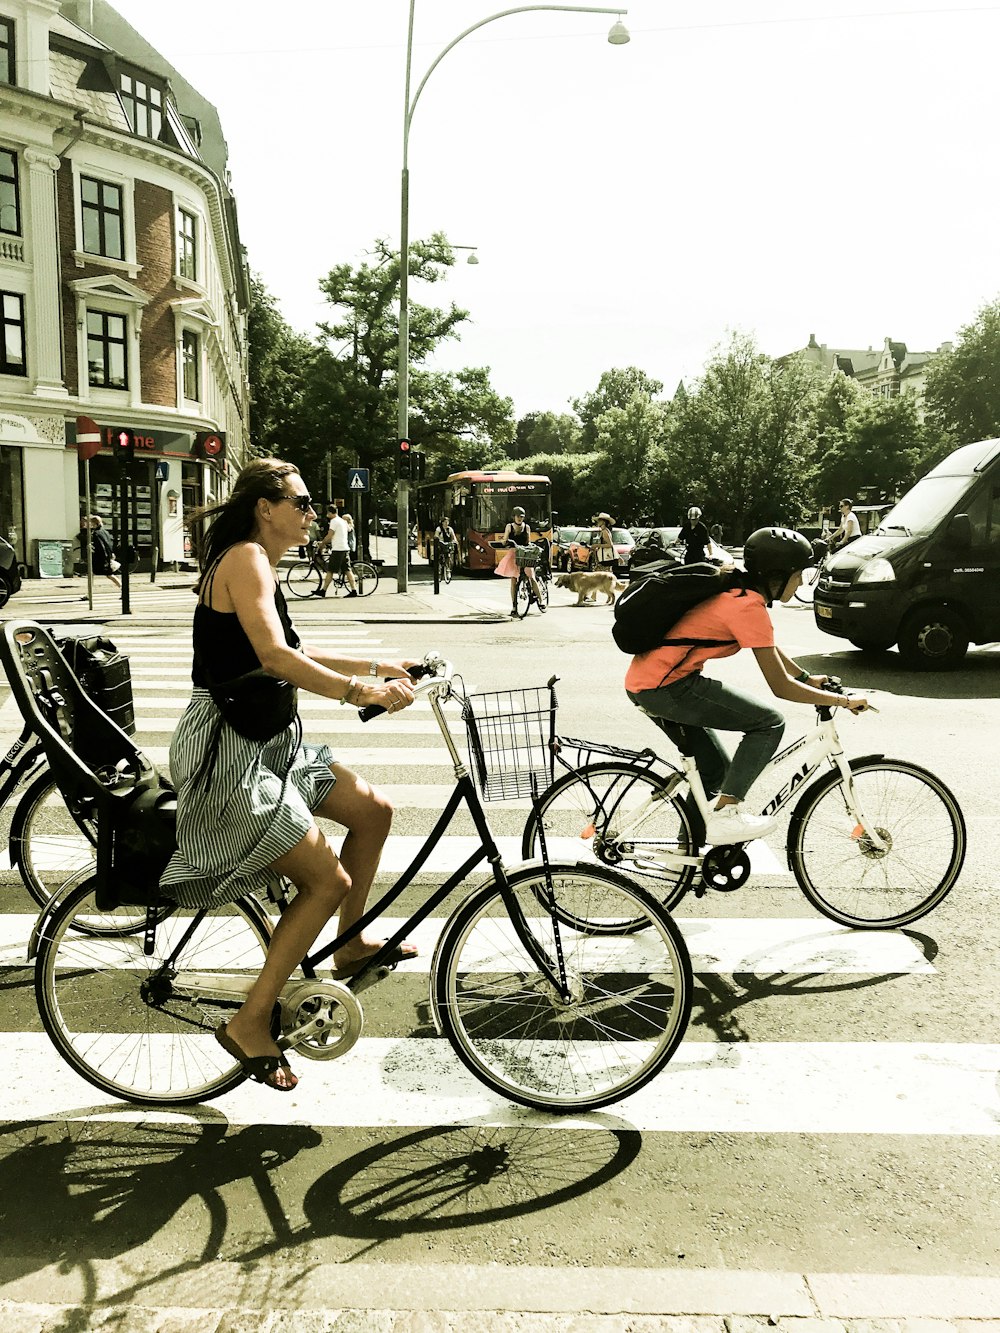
479	506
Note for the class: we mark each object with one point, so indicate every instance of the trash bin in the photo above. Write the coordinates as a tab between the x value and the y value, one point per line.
49	558
68	558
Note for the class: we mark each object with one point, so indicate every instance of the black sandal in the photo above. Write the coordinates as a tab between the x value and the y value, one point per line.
259	1067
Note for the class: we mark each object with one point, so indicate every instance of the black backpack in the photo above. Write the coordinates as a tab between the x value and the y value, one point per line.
647	611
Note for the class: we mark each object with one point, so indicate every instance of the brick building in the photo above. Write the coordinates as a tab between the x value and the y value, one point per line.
884	371
123	286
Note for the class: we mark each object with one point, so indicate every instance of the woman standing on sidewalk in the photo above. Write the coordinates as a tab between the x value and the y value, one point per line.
245	805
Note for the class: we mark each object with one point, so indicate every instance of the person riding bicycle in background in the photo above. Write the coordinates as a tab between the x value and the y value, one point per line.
445	536
337	543
253	820
850	528
516	533
695	536
669	686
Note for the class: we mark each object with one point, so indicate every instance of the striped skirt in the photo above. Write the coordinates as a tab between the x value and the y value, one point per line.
254	810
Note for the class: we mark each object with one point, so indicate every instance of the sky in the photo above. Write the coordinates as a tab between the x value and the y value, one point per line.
770	167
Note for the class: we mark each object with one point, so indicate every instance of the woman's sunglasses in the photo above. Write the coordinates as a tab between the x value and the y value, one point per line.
302	502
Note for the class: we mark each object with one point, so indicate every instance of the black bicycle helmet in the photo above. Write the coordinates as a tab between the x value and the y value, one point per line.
776	551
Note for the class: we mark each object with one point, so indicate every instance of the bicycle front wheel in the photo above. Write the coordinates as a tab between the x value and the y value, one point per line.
127	1022
522	596
629	997
365	577
841	871
48	844
303	579
806	591
619	816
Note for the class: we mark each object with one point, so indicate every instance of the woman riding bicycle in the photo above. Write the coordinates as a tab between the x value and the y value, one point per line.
668	685
246	806
516	533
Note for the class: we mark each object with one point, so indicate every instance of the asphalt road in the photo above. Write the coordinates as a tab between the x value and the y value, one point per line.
834	1108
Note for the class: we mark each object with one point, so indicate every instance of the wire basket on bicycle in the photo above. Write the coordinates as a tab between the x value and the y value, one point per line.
511	734
526	557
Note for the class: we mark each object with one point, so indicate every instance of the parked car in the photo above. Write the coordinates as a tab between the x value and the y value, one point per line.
581	547
561	538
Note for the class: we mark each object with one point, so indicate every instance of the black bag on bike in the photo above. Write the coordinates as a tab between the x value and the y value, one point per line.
649	608
105	674
257	705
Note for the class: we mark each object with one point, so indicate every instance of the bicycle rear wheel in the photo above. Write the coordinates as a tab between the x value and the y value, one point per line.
585	816
127	1023
48	844
542	593
630	997
846	877
366	578
303	579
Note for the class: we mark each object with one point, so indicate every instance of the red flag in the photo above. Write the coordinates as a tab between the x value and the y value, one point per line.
88	438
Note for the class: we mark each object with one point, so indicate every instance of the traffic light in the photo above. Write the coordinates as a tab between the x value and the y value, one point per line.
125	444
417	461
405	460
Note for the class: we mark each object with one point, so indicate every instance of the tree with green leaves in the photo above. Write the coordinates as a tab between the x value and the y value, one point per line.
963	385
741	441
277	360
615	388
546	433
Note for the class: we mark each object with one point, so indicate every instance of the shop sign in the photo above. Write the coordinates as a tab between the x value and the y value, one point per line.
176	444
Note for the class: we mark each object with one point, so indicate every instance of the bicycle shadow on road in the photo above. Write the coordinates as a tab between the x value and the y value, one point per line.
978	677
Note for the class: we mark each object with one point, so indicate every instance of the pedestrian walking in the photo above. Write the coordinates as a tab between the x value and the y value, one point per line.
336	545
694	535
605	557
103	558
667	683
248	786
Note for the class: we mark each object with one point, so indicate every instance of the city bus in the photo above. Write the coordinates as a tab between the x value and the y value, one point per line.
479	505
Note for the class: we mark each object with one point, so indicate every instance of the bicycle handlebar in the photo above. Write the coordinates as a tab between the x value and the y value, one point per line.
433	669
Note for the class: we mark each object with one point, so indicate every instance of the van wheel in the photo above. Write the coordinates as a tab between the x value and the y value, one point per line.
933	639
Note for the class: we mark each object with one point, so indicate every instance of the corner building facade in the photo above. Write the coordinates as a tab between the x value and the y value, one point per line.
123	286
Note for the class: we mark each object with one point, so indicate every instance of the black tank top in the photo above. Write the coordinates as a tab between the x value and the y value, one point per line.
522	538
222	650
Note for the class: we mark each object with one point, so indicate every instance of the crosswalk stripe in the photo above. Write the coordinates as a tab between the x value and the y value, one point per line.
871	1088
718	945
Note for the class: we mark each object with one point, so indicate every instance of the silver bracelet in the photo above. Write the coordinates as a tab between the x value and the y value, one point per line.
373	669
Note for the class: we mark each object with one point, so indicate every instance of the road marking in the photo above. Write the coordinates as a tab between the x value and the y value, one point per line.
883	1088
718	945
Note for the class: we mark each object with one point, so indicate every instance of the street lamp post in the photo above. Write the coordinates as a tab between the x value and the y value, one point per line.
618	36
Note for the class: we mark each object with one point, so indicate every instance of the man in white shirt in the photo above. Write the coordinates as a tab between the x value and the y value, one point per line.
336	543
850	528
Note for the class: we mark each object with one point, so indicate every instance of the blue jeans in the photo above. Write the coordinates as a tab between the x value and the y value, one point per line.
693	708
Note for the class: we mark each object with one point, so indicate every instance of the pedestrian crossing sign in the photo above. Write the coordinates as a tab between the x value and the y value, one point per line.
357	479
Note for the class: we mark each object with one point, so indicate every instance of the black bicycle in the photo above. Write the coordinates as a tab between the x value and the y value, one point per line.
305	577
541	996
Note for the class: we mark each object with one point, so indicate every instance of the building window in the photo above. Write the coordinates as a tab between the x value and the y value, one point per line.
12	360
191	364
187	245
8	69
101	205
143	105
107	363
10	206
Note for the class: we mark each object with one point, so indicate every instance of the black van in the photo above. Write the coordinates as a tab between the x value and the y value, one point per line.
928	577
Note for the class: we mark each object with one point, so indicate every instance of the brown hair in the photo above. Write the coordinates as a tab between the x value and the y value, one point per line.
217	527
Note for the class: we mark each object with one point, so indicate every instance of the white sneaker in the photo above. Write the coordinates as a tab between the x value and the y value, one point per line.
730	825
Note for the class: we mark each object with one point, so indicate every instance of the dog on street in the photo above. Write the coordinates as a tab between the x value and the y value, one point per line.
587	586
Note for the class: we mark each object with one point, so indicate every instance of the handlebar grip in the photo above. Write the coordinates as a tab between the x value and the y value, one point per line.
373	710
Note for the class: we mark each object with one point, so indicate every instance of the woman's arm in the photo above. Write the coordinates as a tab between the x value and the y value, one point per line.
799	673
244	583
783	686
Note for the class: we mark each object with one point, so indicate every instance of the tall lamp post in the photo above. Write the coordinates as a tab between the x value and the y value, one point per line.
617	36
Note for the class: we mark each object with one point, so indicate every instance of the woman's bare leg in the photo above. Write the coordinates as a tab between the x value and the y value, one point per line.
367	815
321	886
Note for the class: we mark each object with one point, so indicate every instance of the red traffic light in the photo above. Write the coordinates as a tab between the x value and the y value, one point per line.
404	446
